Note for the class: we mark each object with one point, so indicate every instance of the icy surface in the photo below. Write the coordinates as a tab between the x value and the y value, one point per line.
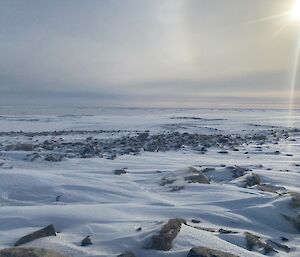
60	170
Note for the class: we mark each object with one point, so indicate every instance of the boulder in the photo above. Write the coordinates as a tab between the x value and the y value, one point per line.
44	232
167	234
207	252
28	252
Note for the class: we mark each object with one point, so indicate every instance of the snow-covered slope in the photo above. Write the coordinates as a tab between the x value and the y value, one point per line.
60	170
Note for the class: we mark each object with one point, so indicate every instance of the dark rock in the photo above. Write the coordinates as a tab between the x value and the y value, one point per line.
207	252
28	252
196	221
223	152
127	254
167	234
225	231
252	180
44	232
86	241
57	198
138	229
120	172
284	239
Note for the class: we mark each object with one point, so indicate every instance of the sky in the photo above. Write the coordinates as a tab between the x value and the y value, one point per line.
148	53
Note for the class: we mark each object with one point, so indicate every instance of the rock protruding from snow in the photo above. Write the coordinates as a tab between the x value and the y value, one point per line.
120	171
207	252
86	241
252	180
44	232
295	202
254	242
169	231
127	254
28	252
199	177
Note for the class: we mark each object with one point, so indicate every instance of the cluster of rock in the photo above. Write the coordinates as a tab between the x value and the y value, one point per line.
57	149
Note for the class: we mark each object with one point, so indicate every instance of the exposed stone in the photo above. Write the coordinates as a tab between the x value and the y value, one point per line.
199	178
294	221
28	252
252	180
167	234
44	232
86	241
253	241
120	171
127	254
295	201
207	252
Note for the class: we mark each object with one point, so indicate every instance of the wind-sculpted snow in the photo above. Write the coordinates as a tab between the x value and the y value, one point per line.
111	190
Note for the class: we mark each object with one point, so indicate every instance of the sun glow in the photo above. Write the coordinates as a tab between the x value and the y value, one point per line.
295	13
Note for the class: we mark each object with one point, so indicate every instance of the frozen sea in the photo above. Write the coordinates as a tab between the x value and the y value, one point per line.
73	154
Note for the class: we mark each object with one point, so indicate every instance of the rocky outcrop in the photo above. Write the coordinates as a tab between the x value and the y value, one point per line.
207	252
44	232
167	234
28	252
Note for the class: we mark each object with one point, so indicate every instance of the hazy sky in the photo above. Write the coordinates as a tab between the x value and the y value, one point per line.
191	53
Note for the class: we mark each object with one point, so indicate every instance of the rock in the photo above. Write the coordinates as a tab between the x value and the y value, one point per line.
252	180
196	221
176	188
284	239
207	252
44	232
86	241
120	172
167	234
127	254
279	246
53	158
28	252
143	136
167	181
199	178
237	171
295	201
223	152
294	221
138	229
271	188
225	231
57	198
21	147
253	241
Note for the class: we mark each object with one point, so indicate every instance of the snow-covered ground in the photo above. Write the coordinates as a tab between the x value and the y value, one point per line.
74	157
